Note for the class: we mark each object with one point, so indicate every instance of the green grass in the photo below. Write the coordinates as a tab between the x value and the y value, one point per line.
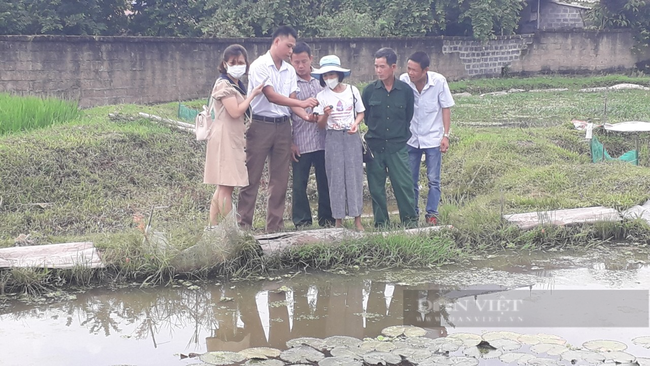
94	175
88	179
487	85
552	108
29	113
376	251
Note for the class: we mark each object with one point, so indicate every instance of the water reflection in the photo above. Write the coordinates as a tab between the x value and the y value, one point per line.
270	317
152	326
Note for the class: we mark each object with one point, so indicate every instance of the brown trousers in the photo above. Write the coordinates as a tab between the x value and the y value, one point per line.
272	140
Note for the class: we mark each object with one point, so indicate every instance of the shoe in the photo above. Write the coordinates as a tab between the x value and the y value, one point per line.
432	220
303	225
212	227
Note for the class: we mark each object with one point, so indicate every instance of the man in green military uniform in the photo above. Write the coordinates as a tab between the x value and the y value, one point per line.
389	109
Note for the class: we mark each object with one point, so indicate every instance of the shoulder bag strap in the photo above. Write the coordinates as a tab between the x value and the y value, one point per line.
211	106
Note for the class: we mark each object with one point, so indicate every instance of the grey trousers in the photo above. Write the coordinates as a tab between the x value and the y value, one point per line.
344	166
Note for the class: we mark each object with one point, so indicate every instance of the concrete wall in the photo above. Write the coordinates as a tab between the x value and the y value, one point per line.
579	52
111	70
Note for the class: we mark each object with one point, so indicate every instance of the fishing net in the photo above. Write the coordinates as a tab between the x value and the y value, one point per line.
186	113
599	153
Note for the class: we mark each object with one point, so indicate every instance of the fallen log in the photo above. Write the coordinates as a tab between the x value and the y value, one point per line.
566	217
169	122
278	242
67	255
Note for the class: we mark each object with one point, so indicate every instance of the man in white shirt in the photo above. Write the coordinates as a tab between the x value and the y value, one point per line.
269	135
430	127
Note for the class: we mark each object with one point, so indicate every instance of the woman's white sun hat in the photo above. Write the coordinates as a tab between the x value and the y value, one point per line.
330	63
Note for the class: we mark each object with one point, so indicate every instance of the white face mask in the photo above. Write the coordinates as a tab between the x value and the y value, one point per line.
332	83
236	71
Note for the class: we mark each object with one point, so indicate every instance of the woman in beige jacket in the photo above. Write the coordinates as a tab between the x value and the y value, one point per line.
225	160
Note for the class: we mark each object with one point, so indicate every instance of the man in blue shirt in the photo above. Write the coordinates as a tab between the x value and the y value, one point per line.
430	127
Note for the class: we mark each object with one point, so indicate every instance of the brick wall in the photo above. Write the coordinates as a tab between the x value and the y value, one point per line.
561	16
487	58
112	70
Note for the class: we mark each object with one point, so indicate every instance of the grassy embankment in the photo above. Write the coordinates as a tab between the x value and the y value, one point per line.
96	179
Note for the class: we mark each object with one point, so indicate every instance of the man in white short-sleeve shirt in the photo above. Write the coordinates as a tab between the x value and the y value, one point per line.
269	134
430	128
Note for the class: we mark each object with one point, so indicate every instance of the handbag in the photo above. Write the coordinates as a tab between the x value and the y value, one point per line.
365	150
203	121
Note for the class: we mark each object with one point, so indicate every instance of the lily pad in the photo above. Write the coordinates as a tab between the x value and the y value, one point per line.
302	354
435	360
260	353
505	344
339	361
581	355
346	352
445	345
518	357
406	330
468	339
256	362
463	361
604	346
618	357
382	358
537	361
490	336
643	341
549	349
532	339
377	346
306	341
438	360
414	332
222	358
333	341
413	355
419	342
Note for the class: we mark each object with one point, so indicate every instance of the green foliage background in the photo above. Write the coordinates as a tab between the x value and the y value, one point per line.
482	19
624	14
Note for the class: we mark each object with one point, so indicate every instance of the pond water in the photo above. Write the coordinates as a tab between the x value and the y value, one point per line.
578	296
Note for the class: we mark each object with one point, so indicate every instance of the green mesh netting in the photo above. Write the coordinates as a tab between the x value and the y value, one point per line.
186	113
599	153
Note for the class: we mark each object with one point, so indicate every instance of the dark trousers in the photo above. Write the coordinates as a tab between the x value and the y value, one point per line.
396	167
300	209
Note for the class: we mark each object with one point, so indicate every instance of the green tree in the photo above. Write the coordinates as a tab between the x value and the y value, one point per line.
12	18
347	23
72	17
624	14
228	19
167	18
482	19
490	18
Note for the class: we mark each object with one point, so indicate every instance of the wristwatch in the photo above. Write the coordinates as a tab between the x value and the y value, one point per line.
446	135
